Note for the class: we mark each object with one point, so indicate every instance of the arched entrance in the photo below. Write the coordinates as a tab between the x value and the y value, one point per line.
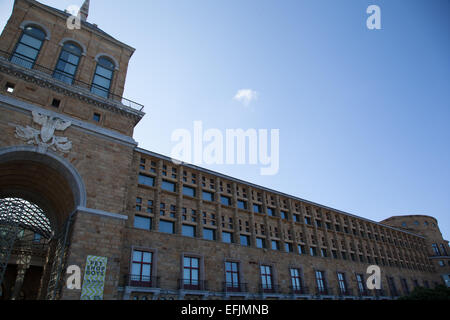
39	195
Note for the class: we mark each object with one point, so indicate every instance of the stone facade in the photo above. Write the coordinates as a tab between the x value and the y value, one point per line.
125	200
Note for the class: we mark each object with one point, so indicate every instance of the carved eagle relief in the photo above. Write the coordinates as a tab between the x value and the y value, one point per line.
46	136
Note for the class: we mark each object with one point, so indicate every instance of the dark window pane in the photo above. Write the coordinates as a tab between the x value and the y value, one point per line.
225	200
242	204
142	222
245	240
209	234
188	191
146	180
169	186
188	231
166	226
227	237
208	196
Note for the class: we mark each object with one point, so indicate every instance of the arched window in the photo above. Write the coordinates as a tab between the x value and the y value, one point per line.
28	47
68	62
103	77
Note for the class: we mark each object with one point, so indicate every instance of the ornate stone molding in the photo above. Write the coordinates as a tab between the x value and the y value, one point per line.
45	137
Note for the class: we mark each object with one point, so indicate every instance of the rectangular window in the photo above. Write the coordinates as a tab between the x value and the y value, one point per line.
266	278
9	87
146	180
405	286
436	249
142	222
242	204
288	247
168	186
188	231
257	208
296	281
166	226
96	117
270	212
260	243
296	217
244	240
360	282
141	268
208	196
188	191
225	200
301	249
323	252
232	276
392	286
275	245
284	215
341	282
191	273
227	237
209	234
320	282
307	220
313	251
444	252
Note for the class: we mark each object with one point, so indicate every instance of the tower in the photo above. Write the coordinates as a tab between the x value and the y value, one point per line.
65	150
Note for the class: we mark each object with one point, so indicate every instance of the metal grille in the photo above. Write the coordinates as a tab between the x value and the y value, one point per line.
62	243
17	215
26	215
8	235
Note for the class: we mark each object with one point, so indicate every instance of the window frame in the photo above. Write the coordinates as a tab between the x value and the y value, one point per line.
20	42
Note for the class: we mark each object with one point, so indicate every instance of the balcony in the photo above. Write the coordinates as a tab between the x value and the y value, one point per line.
324	291
269	288
68	80
191	284
364	293
299	289
380	293
235	287
345	292
132	280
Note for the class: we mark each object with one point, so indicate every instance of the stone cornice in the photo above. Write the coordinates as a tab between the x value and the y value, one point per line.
46	81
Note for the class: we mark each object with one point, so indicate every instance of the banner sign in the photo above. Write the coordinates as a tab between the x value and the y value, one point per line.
94	278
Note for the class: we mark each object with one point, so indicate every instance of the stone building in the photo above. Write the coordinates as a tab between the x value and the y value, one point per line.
73	184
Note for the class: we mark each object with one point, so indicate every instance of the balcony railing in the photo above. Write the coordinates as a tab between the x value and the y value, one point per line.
133	280
66	78
345	292
235	287
299	289
190	284
269	288
380	293
324	291
364	293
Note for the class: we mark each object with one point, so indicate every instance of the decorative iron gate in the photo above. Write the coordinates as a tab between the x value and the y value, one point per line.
62	243
17	215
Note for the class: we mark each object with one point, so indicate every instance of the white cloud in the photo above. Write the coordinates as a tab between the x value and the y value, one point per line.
245	96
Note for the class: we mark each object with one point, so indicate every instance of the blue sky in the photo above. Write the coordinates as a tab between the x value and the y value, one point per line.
364	115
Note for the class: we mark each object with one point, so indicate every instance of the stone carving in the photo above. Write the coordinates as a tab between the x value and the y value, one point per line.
46	136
